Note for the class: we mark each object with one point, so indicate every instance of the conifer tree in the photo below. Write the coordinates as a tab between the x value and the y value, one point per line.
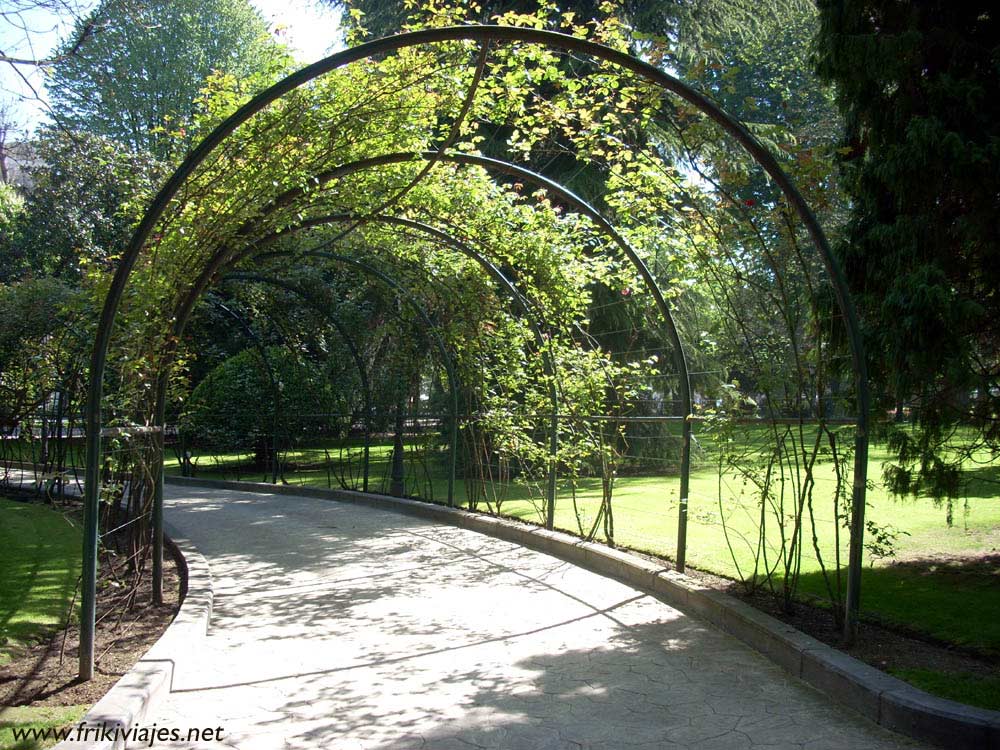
919	87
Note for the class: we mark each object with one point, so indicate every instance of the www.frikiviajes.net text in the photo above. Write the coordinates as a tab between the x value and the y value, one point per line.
115	733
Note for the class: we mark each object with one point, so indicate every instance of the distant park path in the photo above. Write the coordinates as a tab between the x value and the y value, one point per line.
338	626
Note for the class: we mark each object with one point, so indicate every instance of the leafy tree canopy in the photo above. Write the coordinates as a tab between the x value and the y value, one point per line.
136	79
87	193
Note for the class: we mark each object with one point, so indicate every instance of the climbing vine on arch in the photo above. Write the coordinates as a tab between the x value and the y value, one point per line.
581	333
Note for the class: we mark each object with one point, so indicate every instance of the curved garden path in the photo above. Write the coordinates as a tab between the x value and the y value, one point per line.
339	626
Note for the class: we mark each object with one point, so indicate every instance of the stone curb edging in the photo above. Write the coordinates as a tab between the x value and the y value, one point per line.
886	700
131	699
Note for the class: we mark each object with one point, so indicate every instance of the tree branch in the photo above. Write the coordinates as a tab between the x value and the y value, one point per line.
85	34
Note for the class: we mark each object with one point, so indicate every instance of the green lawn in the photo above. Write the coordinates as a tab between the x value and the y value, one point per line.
39	718
39	567
975	691
956	601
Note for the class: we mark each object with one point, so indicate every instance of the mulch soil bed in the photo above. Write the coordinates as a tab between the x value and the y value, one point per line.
45	674
883	646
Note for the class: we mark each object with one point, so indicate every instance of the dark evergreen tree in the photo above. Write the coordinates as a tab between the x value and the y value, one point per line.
919	86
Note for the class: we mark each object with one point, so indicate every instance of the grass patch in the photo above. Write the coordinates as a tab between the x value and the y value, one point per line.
983	692
954	601
39	568
40	718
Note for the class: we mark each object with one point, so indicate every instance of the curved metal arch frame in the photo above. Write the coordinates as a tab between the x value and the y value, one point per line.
431	36
578	204
461	247
432	328
344	335
527	309
533	317
604	226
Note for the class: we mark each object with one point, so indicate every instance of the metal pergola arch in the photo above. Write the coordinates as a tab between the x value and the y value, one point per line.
345	337
566	196
430	326
582	207
311	301
466	249
181	322
507	286
503	283
223	255
484	35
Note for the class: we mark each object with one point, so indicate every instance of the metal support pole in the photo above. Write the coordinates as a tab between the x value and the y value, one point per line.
453	448
855	563
160	439
91	513
550	495
158	527
680	559
160	420
397	475
367	446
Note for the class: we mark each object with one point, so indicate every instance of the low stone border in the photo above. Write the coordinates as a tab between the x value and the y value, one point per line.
884	699
133	696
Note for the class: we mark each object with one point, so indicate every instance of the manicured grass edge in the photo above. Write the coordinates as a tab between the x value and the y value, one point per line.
35	717
973	690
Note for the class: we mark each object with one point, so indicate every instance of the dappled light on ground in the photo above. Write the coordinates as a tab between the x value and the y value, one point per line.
338	626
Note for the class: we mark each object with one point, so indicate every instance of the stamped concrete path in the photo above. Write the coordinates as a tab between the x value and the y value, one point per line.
339	626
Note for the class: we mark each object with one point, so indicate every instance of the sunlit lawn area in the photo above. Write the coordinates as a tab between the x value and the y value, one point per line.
39	567
35	718
925	593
